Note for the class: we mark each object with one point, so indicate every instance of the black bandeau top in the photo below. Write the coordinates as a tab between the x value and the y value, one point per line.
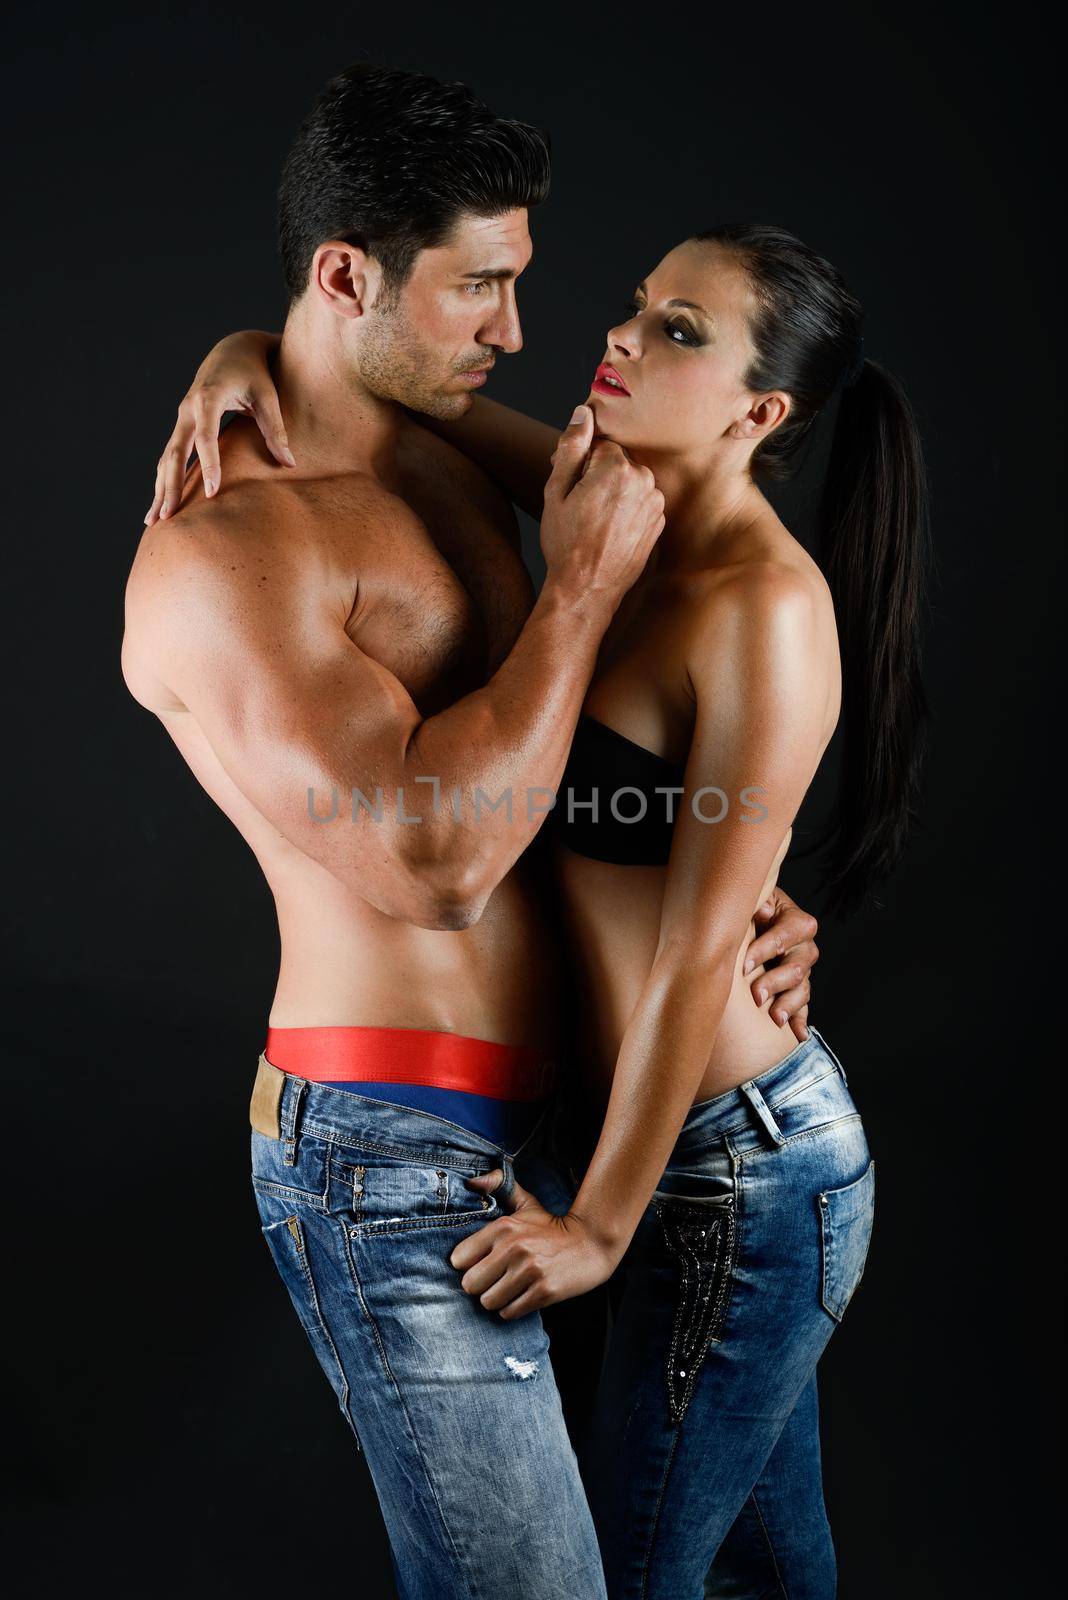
605	761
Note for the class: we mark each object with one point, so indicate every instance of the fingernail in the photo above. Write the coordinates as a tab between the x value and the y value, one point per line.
164	508
806	1033
147	515
209	486
578	414
290	457
762	996
750	964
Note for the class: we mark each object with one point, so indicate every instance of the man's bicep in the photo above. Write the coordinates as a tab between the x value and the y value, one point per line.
299	718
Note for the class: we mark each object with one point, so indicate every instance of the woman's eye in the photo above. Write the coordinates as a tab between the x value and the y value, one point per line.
670	328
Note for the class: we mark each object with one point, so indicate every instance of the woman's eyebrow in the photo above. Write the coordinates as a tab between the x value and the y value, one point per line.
690	305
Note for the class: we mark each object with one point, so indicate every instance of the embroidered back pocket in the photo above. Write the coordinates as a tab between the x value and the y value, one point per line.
846	1217
699	1236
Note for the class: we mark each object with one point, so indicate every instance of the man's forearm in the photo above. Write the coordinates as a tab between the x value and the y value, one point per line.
498	754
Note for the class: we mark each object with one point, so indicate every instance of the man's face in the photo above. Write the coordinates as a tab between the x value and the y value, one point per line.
453	317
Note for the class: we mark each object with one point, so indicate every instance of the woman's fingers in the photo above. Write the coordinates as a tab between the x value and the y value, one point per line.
208	408
532	1299
509	1287
170	471
268	415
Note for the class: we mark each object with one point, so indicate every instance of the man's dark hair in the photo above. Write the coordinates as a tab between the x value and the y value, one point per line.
388	160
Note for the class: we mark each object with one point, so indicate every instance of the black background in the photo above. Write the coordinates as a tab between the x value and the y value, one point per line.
169	1430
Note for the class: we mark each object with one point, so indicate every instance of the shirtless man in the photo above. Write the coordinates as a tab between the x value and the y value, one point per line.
363	626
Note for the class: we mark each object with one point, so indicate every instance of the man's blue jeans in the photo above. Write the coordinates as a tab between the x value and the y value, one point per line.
705	1446
457	1412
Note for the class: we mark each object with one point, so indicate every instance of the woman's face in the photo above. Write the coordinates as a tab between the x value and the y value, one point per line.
681	354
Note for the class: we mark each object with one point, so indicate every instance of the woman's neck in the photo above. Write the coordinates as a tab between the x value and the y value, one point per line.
706	504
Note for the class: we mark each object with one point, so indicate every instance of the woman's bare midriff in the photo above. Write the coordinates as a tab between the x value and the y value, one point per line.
613	922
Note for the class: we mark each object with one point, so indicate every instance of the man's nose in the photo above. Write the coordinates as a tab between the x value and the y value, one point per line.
504	331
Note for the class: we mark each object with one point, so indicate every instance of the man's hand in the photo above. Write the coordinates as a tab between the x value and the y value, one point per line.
601	517
785	946
530	1258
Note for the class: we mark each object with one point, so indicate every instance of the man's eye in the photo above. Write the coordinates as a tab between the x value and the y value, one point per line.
482	284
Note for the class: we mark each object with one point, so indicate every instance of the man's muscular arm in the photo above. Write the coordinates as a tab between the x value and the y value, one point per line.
289	703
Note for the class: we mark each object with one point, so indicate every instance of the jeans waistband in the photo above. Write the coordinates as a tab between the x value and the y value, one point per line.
773	1107
286	1106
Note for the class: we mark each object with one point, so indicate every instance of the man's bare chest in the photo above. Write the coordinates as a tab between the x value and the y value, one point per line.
441	594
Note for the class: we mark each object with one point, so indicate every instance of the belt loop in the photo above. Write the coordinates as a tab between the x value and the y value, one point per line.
288	1119
831	1053
763	1111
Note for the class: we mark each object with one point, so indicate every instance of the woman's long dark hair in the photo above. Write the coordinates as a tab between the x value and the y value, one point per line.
806	329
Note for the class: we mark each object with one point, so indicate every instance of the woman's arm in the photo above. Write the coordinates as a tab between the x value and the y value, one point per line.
757	669
235	375
513	448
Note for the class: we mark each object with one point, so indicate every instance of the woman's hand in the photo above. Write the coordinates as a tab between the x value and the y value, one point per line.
234	376
530	1258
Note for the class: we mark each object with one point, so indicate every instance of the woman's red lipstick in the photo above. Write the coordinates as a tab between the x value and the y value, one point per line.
608	381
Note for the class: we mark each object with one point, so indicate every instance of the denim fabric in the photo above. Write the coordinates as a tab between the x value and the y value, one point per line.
458	1413
704	1450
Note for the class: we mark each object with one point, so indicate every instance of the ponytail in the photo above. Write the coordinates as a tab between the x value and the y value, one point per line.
806	329
874	518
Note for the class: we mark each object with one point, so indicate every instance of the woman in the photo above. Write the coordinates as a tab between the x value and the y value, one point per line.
730	1195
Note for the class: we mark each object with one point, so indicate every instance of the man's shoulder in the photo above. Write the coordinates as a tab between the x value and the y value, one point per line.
275	520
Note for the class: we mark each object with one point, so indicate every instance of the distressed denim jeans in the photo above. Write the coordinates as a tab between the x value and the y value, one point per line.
705	1452
361	1203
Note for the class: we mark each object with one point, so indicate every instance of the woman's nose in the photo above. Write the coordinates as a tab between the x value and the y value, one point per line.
624	338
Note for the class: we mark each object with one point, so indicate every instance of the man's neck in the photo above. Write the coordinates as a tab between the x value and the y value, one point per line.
333	424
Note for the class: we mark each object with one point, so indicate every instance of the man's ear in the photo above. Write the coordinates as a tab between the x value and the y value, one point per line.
765	415
345	277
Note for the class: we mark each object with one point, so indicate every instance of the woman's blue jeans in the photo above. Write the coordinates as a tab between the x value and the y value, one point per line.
705	1448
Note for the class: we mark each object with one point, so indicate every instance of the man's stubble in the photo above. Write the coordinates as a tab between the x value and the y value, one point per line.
394	364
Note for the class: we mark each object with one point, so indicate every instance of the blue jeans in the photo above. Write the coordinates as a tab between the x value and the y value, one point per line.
457	1412
705	1451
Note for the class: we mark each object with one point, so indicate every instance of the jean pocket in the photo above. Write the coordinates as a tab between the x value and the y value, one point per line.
375	1197
846	1217
697	1232
302	1179
287	1236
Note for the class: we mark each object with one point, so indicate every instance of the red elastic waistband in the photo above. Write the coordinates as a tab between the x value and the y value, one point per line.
412	1055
